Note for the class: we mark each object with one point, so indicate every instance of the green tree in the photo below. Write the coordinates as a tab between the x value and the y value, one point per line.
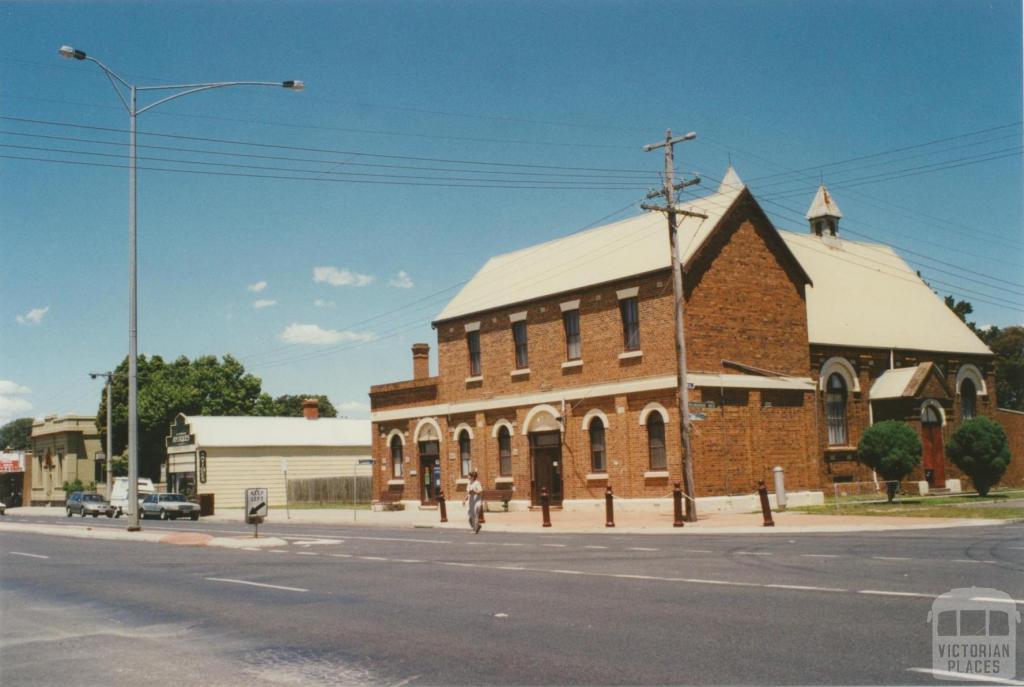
17	434
892	449
204	386
1008	346
962	309
979	447
290	405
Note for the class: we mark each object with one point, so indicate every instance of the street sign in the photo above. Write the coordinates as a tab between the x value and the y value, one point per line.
256	502
698	416
100	456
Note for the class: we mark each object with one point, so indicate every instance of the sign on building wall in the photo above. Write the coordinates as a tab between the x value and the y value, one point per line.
202	467
181	433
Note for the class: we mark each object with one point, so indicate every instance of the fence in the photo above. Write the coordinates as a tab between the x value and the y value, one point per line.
850	493
327	490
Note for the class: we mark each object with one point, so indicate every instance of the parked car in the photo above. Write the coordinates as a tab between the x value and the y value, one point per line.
3	508
88	503
119	494
169	506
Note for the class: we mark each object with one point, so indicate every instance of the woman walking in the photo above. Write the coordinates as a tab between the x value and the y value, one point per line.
474	495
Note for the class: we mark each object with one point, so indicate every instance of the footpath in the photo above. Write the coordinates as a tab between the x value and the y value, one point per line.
590	521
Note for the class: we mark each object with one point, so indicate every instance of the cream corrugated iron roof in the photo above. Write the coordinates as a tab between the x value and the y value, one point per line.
892	383
279	431
864	294
615	251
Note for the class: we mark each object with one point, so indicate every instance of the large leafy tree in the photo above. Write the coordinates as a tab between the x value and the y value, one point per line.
17	434
892	449
979	447
1008	346
204	386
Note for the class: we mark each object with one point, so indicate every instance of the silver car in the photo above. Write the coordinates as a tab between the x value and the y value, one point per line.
88	503
169	507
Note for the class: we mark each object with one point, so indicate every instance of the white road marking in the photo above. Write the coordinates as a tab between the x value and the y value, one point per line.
306	553
878	592
819	555
372	558
459	565
340	555
316	542
751	553
560	546
595	547
697	551
640	548
508	567
407	560
965	560
805	588
257	584
945	675
415	541
567	572
891	558
277	551
512	544
30	555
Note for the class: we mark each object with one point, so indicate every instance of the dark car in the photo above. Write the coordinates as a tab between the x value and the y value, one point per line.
169	506
88	503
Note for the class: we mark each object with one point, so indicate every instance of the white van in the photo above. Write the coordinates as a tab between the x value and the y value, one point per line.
119	494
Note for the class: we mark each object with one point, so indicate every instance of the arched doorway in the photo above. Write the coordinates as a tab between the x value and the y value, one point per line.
544	427
428	445
932	419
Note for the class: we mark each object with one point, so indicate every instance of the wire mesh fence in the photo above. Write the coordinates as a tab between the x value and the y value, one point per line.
326	491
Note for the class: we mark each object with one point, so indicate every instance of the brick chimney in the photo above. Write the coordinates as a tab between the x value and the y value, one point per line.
420	360
311	409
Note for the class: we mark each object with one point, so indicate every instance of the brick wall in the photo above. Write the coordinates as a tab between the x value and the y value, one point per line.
1013	424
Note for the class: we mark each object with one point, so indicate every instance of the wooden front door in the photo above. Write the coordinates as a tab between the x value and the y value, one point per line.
934	459
430	472
546	451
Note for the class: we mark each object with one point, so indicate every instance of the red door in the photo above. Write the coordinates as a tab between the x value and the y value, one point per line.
934	459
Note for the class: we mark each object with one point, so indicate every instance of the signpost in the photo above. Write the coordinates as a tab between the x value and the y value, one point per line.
284	471
256	507
355	483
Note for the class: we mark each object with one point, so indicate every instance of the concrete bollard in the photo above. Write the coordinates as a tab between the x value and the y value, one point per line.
545	506
677	505
609	508
780	487
441	506
766	508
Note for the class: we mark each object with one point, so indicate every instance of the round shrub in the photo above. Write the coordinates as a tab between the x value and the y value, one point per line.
892	449
979	448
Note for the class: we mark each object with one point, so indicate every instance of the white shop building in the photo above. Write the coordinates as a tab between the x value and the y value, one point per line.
224	456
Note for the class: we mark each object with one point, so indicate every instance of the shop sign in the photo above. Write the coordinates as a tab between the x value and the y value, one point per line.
202	467
181	433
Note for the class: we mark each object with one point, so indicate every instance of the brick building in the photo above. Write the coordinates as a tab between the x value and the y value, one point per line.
557	364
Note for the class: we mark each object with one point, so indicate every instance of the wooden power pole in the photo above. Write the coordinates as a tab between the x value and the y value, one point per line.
682	394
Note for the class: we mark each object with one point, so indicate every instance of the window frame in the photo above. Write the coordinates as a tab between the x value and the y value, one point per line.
837	410
968	409
396	462
465	453
629	310
572	338
598	456
655	420
520	345
475	358
504	452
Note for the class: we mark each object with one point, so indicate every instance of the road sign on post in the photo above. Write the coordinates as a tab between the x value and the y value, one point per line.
256	507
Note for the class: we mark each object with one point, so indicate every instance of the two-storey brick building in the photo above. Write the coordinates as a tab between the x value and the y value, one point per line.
557	367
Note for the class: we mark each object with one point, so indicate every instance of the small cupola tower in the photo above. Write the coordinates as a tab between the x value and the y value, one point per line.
824	214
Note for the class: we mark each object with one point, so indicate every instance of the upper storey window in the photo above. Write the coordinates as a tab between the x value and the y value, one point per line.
473	342
573	347
522	350
630	323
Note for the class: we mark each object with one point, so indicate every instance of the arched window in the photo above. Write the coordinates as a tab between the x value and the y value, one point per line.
656	441
396	456
504	452
598	462
835	409
968	399
464	452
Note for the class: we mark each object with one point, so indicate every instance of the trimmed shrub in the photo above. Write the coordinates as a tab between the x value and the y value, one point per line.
892	449
979	447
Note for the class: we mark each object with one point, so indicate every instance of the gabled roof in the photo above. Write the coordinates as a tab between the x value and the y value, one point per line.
906	382
634	246
865	295
210	430
823	205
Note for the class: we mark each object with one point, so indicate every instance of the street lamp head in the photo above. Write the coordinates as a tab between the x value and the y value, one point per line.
690	136
293	85
69	52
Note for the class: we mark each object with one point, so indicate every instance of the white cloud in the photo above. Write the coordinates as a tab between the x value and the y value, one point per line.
257	287
352	405
260	304
340	277
320	303
314	334
33	316
9	388
401	281
10	408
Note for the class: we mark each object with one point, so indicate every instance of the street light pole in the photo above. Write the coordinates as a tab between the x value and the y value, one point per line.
110	478
131	104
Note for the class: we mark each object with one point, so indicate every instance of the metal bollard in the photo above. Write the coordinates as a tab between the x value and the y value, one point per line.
609	508
766	508
677	505
780	488
443	509
483	507
545	506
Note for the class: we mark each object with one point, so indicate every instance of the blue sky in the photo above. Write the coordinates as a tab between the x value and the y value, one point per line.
320	282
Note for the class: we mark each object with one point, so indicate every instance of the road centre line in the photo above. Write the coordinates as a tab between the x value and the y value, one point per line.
820	555
341	555
697	551
257	584
559	546
595	547
640	548
30	555
891	558
277	550
751	553
306	553
879	592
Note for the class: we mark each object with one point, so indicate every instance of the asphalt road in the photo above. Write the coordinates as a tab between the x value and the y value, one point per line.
350	605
